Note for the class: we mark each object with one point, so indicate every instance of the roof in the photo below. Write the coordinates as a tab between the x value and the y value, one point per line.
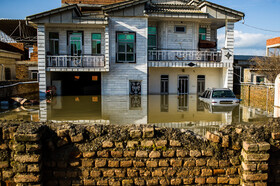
18	29
10	48
172	8
273	41
55	11
123	4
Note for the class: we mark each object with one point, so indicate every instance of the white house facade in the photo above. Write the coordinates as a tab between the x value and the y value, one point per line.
135	47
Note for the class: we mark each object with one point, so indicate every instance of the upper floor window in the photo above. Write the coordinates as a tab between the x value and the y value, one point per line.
126	47
202	33
152	38
54	43
180	29
75	43
96	43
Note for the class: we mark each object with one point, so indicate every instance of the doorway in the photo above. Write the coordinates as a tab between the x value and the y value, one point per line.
183	83
200	84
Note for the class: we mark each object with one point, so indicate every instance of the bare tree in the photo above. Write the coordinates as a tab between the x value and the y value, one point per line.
267	66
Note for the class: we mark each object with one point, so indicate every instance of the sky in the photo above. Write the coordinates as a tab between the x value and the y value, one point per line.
263	14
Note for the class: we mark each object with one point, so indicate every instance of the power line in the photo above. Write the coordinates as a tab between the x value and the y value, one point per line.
267	30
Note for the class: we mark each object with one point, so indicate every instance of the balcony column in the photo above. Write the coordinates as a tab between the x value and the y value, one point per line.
107	57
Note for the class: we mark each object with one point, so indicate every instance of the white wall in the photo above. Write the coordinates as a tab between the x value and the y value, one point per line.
213	78
116	82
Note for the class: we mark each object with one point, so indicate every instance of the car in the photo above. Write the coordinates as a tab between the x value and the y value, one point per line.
219	97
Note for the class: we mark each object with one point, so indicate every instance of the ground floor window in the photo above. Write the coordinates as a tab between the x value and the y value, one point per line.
164	84
8	74
183	84
135	87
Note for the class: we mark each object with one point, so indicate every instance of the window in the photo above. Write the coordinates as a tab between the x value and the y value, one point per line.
164	84
76	43
34	74
260	79
202	33
152	38
8	74
180	29
54	43
135	87
126	47
96	43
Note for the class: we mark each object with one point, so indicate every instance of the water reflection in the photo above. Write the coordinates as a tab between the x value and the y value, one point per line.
181	111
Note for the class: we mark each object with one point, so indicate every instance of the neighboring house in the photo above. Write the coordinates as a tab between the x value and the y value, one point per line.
273	46
135	47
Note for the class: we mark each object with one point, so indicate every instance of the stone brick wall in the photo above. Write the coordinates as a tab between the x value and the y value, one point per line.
67	154
258	96
22	72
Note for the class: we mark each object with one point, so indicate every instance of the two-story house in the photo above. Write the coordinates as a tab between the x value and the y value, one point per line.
134	47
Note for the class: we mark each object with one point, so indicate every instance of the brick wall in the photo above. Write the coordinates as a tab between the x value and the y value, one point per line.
258	96
98	2
67	154
22	72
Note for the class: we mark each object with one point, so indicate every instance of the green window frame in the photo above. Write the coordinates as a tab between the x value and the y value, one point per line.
54	43
96	43
152	38
126	47
202	33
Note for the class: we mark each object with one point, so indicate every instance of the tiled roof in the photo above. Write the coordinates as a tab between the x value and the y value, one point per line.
169	10
10	48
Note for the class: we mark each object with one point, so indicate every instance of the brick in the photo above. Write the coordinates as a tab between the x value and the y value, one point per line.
189	163
219	171
148	133
181	153
275	135
19	147
161	143
222	180
19	167
200	180
7	174
255	177
176	163
139	182
206	172
87	162
207	152
135	134
85	173
102	182
183	173
4	164
164	182
127	163
33	168
231	171
103	154
119	145
263	146
88	154
138	164
151	164
212	137
132	173
116	154
194	172
128	154
33	147
100	163
170	172
153	181
78	138
250	146
260	184
132	144
238	130
62	132
120	173
163	163
175	143
211	180
225	141
144	173
176	181
249	166
200	162
223	163
147	143
95	173
157	173
212	163
109	173
154	154
107	144
27	137
168	154
27	178
262	167
188	181
89	182
27	158
141	154
195	153
254	156
127	182
235	161
112	163
234	181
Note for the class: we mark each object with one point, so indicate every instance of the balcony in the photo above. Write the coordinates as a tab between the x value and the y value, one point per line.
184	55
74	63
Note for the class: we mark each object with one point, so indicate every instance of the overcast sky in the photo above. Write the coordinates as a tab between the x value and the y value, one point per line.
263	14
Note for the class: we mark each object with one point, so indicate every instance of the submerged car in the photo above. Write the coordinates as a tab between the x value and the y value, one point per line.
219	97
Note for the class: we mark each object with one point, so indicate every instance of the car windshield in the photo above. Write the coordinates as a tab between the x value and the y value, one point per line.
223	94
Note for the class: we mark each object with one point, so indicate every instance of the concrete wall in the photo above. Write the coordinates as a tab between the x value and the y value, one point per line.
213	78
116	82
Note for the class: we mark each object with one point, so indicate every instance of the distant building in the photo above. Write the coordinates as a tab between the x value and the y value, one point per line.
273	46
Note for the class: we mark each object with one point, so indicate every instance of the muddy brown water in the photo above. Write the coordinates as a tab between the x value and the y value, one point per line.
184	111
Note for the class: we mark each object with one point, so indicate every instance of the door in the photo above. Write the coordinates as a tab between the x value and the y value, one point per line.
183	82
164	84
200	84
76	44
57	84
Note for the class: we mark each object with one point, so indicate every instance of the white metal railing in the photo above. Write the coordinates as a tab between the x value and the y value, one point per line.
184	55
75	61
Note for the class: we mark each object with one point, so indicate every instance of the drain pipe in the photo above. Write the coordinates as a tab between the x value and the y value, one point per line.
2	74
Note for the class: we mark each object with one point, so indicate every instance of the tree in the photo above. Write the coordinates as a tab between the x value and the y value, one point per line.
267	66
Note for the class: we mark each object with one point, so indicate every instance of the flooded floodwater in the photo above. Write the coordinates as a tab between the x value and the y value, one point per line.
179	111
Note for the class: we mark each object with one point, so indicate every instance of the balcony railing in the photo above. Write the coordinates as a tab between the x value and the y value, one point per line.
184	55
75	61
